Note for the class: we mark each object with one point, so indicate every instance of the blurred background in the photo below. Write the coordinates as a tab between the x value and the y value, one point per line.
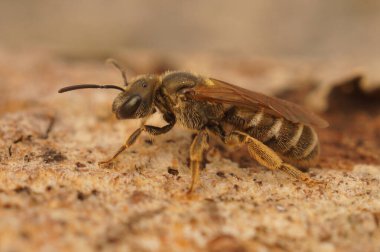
299	28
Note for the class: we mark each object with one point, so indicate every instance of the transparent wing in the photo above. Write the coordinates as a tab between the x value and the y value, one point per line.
222	92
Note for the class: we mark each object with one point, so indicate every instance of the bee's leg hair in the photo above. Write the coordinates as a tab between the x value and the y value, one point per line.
270	159
198	146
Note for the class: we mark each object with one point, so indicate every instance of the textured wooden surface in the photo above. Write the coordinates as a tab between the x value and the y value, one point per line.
53	195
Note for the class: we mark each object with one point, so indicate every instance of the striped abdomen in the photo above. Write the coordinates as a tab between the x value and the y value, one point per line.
295	143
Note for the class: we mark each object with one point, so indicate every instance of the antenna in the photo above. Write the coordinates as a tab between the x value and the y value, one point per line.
83	86
117	66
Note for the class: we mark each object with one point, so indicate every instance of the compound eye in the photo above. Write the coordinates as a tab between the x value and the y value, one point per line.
129	108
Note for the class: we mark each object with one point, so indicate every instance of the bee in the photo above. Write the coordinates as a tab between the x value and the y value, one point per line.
279	134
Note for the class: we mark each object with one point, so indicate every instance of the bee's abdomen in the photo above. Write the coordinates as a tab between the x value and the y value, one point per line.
295	142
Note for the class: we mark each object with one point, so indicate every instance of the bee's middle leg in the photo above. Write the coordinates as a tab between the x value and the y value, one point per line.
270	159
198	146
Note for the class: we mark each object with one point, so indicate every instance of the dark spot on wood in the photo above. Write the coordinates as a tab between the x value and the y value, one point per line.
94	192
27	158
236	187
48	188
22	189
51	155
173	171
148	141
81	196
139	168
235	176
8	206
170	141
325	236
80	165
10	150
221	174
62	223
25	235
99	247
359	142
303	169
262	229
18	139
113	239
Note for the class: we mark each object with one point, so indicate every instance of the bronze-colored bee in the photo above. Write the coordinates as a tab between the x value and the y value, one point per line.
277	133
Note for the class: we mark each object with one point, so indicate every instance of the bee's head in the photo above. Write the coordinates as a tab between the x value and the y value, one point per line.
135	101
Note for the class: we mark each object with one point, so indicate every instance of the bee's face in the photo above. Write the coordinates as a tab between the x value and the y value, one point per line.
137	100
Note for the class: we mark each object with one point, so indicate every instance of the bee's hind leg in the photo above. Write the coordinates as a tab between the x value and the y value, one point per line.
270	159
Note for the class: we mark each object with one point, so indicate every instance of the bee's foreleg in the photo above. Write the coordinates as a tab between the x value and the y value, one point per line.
199	145
270	159
131	140
152	130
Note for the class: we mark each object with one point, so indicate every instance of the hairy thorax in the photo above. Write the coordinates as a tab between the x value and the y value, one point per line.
196	114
